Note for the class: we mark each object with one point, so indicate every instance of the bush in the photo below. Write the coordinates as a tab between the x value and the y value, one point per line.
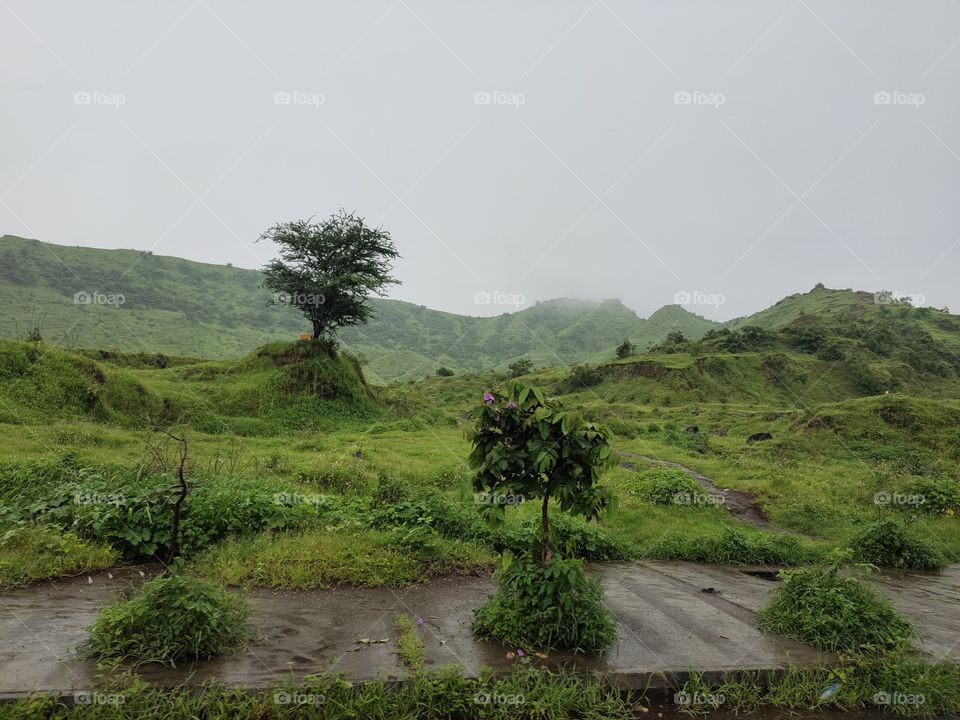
169	620
571	536
887	543
822	607
663	485
551	606
136	518
731	546
941	496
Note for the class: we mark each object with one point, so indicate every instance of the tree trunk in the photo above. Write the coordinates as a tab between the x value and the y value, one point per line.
317	329
174	550
546	550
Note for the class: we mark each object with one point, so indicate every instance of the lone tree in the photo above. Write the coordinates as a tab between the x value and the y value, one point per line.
525	444
328	269
626	349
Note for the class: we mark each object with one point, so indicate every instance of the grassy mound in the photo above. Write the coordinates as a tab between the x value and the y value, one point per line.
170	620
665	486
38	383
544	607
835	612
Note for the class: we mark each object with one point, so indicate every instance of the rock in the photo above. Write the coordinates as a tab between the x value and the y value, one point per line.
756	437
692	429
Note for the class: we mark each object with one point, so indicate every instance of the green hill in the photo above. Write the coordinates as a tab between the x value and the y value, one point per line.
145	303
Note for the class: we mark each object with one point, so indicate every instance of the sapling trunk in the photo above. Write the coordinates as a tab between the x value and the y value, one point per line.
546	550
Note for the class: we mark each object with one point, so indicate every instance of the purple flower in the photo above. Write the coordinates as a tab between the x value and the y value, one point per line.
488	398
419	621
520	653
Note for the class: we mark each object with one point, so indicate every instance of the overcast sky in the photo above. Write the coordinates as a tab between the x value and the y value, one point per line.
736	152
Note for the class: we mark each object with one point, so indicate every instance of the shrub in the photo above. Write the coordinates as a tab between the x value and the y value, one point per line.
663	485
887	543
169	620
835	612
546	606
571	536
444	372
135	518
941	496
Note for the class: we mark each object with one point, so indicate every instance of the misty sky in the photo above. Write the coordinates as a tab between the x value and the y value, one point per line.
622	149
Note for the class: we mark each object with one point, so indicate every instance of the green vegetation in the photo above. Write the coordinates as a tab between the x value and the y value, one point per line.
888	543
409	645
316	559
38	552
178	307
523	694
541	606
170	619
835	611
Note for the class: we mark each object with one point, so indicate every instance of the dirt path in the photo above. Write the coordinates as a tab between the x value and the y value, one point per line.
740	504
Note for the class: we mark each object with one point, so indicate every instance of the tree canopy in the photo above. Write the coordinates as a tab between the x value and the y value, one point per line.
328	269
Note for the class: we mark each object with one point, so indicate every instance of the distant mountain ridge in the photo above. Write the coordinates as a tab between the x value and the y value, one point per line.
132	300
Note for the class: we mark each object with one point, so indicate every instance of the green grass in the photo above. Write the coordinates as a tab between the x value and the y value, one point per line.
523	694
31	552
409	644
318	559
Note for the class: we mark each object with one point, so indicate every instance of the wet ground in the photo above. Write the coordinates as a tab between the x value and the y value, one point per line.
672	616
